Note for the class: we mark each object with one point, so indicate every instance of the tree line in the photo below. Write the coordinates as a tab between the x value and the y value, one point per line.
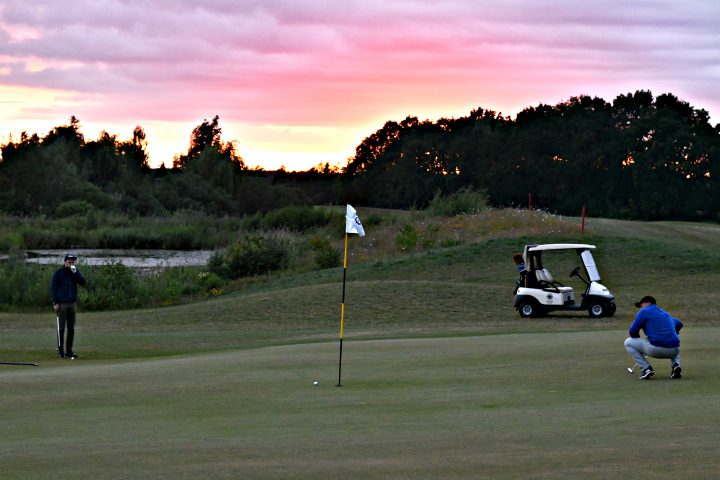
62	174
637	157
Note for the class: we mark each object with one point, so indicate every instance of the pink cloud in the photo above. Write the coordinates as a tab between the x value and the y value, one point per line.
350	63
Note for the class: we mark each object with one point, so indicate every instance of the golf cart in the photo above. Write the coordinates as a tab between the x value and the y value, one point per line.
539	293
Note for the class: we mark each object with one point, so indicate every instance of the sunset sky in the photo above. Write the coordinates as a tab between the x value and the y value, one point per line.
297	83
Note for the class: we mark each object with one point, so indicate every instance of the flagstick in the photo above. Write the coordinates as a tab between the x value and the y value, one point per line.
342	313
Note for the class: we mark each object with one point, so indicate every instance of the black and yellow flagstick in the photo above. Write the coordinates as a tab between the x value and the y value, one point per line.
342	313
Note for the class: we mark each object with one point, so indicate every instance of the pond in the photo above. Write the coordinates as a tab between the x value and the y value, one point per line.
141	259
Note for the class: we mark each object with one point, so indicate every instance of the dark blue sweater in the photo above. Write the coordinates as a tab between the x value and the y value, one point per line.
63	286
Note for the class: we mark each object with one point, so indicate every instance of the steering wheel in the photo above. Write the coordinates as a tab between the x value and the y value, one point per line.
575	272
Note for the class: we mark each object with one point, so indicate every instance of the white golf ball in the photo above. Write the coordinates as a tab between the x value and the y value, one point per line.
316	383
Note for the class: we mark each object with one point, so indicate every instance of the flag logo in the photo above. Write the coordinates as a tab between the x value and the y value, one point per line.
352	222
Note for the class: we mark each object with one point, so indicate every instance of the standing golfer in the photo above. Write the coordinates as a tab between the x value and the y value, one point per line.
63	290
662	340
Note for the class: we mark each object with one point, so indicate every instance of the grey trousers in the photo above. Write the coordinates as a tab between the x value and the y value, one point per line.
639	348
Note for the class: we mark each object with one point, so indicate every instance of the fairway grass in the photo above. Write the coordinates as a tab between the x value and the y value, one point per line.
541	405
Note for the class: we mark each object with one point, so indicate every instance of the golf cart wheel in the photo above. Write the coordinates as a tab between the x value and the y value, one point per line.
611	310
528	309
597	310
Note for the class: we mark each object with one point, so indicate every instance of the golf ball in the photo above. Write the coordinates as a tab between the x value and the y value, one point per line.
315	383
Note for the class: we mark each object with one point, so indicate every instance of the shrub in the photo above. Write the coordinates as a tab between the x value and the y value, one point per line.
24	284
326	256
429	238
249	257
210	281
297	219
73	208
407	238
252	222
11	240
464	201
110	286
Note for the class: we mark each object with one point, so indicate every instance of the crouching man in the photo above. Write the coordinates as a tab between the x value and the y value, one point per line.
661	330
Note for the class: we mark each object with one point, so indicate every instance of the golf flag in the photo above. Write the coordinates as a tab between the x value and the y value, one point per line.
352	222
352	225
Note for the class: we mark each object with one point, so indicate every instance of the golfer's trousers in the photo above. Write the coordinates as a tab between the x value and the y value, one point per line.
639	348
66	318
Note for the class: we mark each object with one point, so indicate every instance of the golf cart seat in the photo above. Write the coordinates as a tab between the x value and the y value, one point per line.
547	281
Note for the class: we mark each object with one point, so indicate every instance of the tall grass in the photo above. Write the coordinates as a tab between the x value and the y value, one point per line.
464	201
181	231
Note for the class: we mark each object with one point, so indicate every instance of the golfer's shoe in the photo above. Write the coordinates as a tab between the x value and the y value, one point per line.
646	374
676	371
71	355
61	354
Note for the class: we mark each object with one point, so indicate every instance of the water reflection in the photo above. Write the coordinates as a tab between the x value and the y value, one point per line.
129	258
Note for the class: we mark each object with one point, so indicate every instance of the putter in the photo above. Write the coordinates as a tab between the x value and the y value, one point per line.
631	370
28	364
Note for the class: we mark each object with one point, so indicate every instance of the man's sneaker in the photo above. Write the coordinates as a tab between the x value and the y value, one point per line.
61	354
646	374
676	371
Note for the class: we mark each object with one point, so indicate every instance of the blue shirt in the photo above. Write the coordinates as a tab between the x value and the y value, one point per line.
660	327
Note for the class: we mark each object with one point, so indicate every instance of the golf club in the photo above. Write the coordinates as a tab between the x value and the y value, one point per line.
631	370
57	332
20	363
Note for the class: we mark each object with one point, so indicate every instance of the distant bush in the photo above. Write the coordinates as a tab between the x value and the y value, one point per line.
407	238
429	238
252	222
11	240
73	208
326	256
297	219
464	201
110	286
249	257
210	281
23	284
114	286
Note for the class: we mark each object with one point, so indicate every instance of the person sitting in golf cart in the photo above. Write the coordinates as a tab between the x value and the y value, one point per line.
520	264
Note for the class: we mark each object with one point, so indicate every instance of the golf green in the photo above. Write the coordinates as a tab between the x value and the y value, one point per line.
540	405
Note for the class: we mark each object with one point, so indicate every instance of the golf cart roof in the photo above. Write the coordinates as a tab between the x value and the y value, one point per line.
560	246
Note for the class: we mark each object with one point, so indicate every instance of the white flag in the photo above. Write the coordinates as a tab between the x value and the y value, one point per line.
352	222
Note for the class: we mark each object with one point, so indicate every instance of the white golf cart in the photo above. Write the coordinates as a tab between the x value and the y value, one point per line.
539	293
